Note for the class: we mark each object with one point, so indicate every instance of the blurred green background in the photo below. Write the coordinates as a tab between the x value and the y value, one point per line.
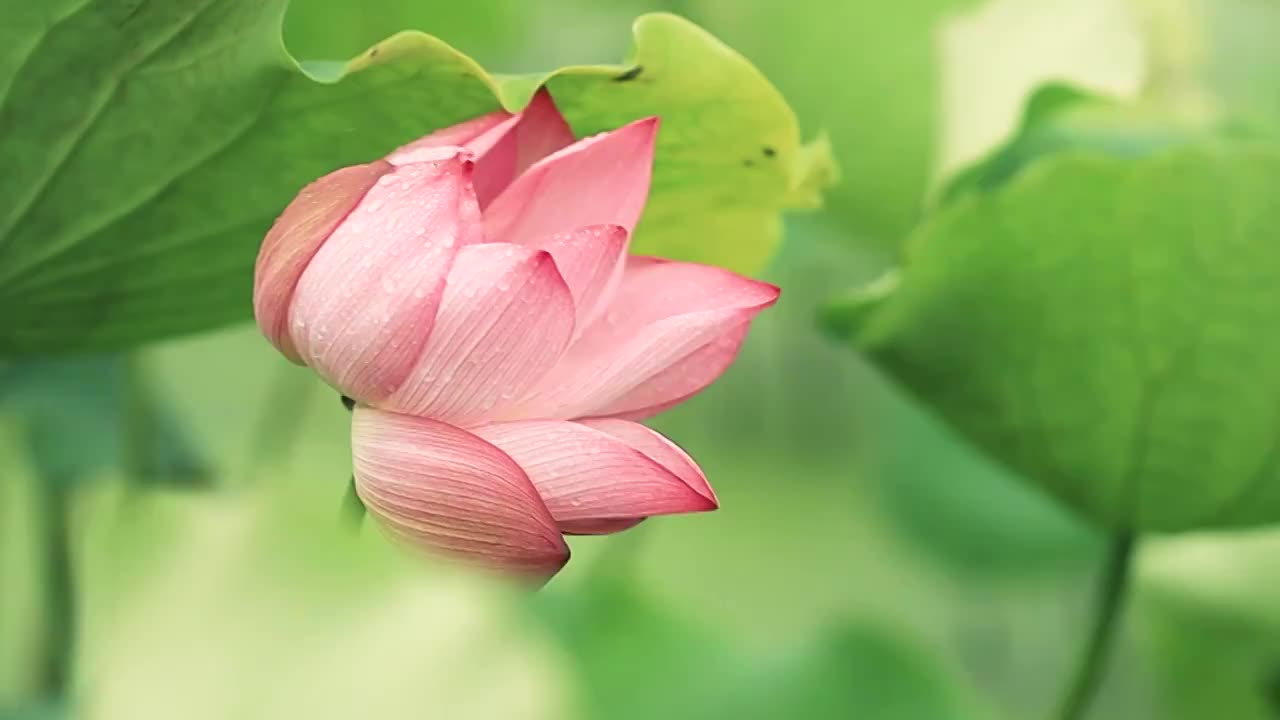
865	563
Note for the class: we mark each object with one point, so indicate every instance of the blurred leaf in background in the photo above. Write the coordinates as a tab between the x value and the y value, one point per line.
84	414
1062	118
635	657
259	607
639	659
22	612
853	672
867	73
338	29
992	58
1219	54
1210	613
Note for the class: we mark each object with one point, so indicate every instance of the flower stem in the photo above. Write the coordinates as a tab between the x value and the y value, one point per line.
1108	604
353	510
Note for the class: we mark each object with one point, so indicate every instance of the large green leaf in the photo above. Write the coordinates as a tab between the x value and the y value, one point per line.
960	507
148	146
340	28
1105	327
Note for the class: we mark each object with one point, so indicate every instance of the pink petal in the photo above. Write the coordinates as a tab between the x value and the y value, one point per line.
365	304
591	260
669	331
445	489
294	239
681	380
597	527
462	135
616	471
504	145
599	180
656	446
504	320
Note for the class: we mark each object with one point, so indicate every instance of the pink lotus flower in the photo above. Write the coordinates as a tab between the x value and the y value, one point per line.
473	293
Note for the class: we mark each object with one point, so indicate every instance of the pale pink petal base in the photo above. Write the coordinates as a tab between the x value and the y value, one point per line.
366	303
505	318
610	471
443	488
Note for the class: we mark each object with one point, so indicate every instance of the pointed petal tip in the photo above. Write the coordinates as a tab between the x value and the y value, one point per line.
546	567
710	501
441	154
773	292
646	127
541	102
701	497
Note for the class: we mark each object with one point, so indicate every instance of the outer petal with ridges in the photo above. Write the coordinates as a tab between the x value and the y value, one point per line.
366	303
587	473
504	320
446	489
294	239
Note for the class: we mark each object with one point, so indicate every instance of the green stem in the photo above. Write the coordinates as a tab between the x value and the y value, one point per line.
1109	603
60	612
353	510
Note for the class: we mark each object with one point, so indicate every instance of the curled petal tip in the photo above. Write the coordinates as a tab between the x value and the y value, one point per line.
653	123
772	293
